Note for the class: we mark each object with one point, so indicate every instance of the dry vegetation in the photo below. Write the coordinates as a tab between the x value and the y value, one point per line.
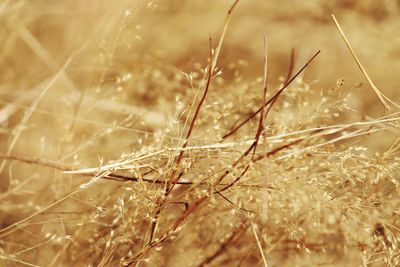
140	133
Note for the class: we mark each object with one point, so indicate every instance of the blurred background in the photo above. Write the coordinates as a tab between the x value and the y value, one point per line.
82	82
39	36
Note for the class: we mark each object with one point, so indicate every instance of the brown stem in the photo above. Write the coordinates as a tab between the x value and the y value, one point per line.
233	130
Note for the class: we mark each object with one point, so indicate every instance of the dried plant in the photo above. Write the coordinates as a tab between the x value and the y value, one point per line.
113	155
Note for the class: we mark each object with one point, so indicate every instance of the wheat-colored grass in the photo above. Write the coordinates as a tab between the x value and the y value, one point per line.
196	133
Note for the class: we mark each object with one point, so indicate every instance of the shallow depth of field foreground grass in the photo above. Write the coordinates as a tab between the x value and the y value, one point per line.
199	133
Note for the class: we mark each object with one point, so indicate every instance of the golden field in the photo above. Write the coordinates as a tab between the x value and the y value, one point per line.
150	133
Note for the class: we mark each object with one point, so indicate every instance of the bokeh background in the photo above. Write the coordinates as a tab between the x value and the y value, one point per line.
86	81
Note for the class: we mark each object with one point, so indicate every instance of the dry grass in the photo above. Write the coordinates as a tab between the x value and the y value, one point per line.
153	134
